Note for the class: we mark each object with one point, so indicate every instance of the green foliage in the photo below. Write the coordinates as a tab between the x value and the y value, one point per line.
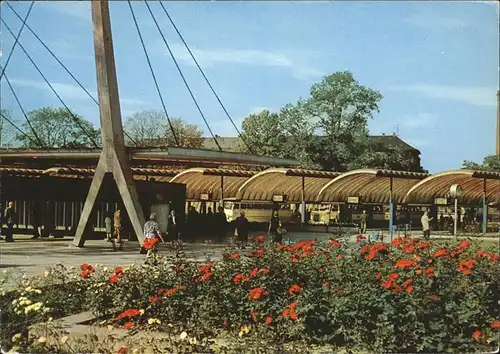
151	128
412	297
7	131
490	163
328	130
56	128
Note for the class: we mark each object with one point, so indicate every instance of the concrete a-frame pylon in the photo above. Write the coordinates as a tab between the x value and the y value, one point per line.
113	159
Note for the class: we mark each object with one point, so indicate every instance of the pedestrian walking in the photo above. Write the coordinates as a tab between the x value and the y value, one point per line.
118	228
152	237
275	227
425	225
364	218
242	227
10	221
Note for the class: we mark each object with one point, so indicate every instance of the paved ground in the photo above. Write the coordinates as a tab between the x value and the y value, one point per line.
32	256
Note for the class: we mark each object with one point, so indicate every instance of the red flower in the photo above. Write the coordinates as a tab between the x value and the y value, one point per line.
289	311
122	350
397	241
86	266
128	325
235	256
128	313
87	270
321	270
404	263
430	272
256	293
407	282
153	299
295	288
409	289
334	243
476	335
240	278
118	270
440	253
254	272
378	276
339	257
264	270
360	238
259	252
206	276
393	276
260	238
295	259
325	283
418	271
205	268
423	245
114	278
387	284
268	321
408	248
466	266
495	324
464	244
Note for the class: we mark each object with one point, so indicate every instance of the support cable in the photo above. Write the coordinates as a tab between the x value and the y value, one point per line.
153	74
206	78
16	39
16	127
182	76
24	112
64	67
77	121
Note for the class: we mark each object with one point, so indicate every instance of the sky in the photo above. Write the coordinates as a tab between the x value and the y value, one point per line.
435	63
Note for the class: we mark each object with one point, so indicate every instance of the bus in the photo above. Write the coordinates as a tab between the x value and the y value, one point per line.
257	212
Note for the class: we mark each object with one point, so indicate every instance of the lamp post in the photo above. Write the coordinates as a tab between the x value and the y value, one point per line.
455	192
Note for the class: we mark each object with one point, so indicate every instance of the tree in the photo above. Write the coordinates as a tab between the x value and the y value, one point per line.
264	134
490	163
341	107
57	128
7	131
151	128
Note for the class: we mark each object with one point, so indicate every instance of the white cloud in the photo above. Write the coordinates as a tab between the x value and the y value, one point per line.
430	21
79	9
70	92
210	57
255	110
476	95
419	120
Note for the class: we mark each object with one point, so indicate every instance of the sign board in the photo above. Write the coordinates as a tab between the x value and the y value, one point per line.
441	201
204	196
278	198
353	200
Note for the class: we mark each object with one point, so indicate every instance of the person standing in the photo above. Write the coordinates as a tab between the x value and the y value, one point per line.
242	227
36	222
118	228
10	220
364	218
152	237
220	224
275	226
172	227
425	225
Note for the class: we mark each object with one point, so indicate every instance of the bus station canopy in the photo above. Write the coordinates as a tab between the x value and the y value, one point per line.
473	184
370	185
283	181
212	180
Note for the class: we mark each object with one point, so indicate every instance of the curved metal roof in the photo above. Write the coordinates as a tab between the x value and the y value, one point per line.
203	180
472	183
265	184
372	185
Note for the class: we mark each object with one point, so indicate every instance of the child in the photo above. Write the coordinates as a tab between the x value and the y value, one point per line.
151	237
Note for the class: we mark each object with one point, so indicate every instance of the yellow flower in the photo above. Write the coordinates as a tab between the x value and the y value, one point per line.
240	334
245	329
46	273
110	327
141	311
50	319
64	339
42	340
16	337
153	321
38	291
183	335
193	341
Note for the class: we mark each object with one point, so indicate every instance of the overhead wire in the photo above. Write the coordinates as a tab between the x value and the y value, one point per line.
206	78
183	77
24	112
16	39
153	74
17	128
77	121
64	67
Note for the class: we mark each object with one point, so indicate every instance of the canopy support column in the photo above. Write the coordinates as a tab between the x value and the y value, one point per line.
391	209
303	200
485	209
222	190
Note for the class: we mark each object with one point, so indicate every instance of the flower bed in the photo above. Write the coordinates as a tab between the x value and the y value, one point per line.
411	296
